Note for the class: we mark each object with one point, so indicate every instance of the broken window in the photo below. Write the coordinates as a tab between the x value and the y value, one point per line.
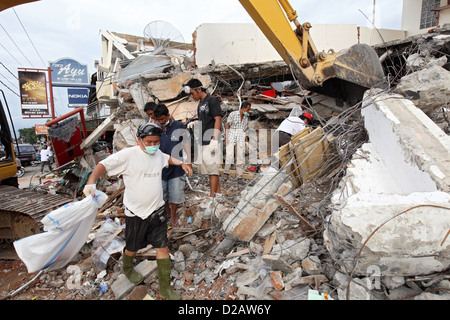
428	18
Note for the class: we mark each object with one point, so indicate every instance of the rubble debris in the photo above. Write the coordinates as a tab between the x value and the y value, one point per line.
408	187
428	88
317	228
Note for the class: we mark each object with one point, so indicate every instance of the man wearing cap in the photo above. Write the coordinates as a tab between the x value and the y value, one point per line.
210	119
293	125
145	217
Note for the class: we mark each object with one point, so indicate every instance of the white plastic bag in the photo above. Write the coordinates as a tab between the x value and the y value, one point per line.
66	230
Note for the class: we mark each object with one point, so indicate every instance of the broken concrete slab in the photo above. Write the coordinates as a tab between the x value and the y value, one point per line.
257	205
169	89
99	131
404	245
122	285
405	213
183	111
125	135
145	64
414	150
429	89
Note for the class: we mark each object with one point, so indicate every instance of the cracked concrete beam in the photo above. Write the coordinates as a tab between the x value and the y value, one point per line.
99	131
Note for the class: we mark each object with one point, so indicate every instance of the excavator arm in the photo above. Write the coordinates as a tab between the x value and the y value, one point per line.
344	75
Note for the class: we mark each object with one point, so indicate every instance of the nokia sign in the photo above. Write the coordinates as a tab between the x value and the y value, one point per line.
78	97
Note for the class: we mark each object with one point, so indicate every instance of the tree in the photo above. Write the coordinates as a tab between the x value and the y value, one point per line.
28	135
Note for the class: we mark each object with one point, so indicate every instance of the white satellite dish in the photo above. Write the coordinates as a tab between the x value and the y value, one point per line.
163	34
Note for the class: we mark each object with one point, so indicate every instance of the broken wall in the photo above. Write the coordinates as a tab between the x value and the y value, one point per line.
392	209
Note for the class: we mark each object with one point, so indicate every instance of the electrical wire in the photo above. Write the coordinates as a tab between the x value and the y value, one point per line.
16	45
9	71
29	37
6	86
18	62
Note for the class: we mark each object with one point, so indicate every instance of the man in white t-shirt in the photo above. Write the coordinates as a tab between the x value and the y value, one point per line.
45	159
145	216
294	124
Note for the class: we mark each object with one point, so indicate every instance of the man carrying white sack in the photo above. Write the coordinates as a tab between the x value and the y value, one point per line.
145	216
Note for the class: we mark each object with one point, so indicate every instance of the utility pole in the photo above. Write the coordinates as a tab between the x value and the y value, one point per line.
373	16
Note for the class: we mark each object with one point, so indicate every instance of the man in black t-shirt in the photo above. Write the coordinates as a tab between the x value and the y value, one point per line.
210	122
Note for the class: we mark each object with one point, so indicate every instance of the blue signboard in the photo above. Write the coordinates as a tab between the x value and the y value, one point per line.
78	97
68	71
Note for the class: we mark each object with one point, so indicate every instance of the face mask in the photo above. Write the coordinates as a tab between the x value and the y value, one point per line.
246	114
152	150
166	124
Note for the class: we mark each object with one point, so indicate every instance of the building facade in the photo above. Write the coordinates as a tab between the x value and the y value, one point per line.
419	16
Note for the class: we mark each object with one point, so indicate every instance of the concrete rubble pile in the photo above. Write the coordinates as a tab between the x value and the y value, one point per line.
375	226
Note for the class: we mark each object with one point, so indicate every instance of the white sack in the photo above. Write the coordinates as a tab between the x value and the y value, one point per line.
65	231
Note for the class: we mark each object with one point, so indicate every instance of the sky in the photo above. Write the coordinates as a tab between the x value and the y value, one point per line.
36	33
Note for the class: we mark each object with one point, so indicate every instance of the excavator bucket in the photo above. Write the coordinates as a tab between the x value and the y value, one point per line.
11	3
350	73
345	75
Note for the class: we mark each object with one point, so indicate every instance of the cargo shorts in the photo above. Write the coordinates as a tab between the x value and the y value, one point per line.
210	160
139	233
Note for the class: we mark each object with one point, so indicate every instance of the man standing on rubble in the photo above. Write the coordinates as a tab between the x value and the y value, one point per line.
173	141
145	217
210	121
235	137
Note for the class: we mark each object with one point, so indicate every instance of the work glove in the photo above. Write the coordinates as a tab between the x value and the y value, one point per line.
214	144
89	189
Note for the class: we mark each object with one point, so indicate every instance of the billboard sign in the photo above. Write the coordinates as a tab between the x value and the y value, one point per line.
33	93
78	97
41	129
67	71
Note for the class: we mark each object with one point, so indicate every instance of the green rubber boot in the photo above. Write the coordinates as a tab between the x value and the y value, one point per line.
165	291
128	270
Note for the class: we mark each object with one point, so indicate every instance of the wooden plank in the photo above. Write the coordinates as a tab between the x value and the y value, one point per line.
246	175
268	245
238	253
310	154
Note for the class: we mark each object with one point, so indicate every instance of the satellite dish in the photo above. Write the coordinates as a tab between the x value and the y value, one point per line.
163	34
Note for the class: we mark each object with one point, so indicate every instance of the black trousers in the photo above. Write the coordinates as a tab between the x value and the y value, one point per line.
43	163
284	138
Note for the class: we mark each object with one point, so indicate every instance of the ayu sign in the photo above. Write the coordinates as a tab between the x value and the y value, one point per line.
67	71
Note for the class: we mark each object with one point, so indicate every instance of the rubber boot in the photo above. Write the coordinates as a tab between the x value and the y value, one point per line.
128	270
165	291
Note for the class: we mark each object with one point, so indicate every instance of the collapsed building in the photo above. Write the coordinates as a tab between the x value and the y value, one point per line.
355	207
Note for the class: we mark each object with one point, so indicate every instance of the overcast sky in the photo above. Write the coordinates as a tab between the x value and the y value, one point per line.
70	28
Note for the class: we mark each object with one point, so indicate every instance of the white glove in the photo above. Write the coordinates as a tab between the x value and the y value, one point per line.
89	189
214	144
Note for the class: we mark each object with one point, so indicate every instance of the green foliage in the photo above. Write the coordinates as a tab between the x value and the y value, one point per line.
28	135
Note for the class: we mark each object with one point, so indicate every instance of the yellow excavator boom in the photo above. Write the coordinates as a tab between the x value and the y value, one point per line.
346	74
